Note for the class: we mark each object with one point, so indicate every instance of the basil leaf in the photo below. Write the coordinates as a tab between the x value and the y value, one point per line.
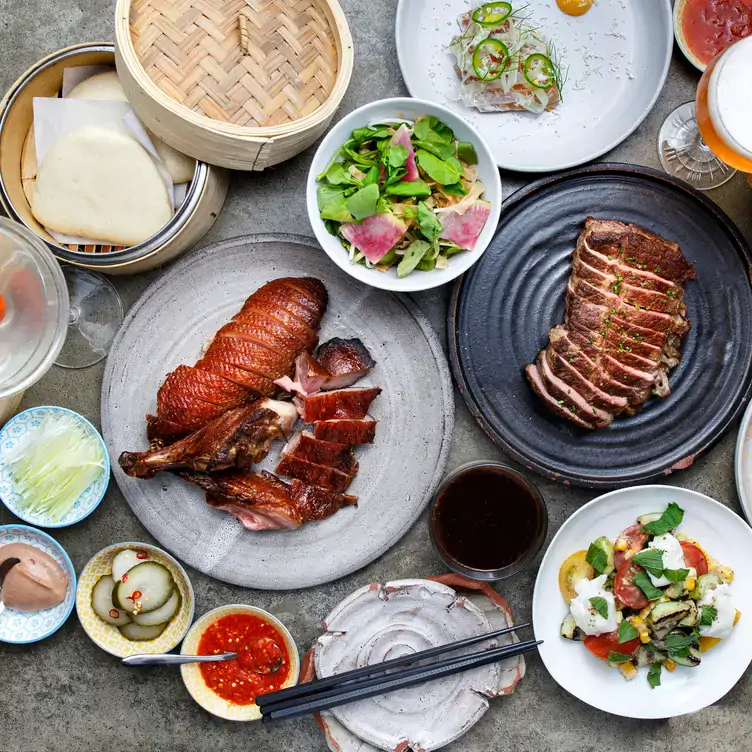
708	616
627	632
600	605
643	582
439	148
466	152
418	188
597	558
654	675
395	155
650	559
676	575
667	522
436	169
332	203
676	642
413	255
372	176
614	657
363	203
430	227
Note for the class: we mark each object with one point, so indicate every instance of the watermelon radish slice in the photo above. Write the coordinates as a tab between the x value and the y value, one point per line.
402	138
375	236
463	229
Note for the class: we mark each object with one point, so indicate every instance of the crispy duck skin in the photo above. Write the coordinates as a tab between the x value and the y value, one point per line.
305	446
316	475
237	438
317	503
342	403
310	376
244	356
346	430
346	360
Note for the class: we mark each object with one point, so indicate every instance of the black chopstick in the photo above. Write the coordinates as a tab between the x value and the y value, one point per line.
359	673
378	685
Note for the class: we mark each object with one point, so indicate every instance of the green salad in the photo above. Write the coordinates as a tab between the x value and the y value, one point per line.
403	194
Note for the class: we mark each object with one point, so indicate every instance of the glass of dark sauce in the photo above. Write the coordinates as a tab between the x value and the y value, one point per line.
487	521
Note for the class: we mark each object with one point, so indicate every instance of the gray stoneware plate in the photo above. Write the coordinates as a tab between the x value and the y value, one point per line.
179	314
743	464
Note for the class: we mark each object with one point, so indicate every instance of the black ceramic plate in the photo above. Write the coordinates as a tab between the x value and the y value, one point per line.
503	307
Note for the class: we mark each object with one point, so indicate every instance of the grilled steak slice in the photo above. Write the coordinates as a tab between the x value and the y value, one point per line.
317	503
346	430
342	403
625	318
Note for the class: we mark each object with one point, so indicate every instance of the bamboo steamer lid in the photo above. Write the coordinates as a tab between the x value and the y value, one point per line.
238	83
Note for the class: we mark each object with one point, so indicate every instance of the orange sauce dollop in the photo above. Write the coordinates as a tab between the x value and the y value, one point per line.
232	680
575	7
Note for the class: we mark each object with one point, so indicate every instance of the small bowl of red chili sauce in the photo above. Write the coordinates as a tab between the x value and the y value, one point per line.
705	28
267	660
487	521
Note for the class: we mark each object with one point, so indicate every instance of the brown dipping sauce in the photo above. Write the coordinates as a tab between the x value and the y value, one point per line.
486	518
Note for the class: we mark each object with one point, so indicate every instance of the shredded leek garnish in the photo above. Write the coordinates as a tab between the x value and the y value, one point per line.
53	465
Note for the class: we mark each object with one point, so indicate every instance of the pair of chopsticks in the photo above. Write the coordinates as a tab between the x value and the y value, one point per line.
380	678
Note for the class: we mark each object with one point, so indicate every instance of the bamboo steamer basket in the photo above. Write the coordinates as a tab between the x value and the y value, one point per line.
190	223
244	84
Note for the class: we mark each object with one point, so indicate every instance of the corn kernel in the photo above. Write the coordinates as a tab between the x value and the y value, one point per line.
636	621
669	665
737	616
690	583
628	671
726	574
644	637
621	545
645	611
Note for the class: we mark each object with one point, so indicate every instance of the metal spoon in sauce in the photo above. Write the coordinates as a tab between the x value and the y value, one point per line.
5	567
261	655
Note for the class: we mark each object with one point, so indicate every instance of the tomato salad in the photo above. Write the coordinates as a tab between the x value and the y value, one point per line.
653	598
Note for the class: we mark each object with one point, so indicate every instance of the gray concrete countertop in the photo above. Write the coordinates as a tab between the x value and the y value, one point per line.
66	695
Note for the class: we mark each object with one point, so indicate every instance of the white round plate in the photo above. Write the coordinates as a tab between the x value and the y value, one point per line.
17	429
618	55
171	324
743	463
409	109
191	672
21	628
723	535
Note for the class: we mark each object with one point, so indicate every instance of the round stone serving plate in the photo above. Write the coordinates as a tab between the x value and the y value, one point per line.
171	323
743	464
21	628
501	312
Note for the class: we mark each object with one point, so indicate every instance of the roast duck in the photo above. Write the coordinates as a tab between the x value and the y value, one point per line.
624	325
217	419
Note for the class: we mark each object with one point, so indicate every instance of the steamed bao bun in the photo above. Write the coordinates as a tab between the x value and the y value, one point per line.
107	86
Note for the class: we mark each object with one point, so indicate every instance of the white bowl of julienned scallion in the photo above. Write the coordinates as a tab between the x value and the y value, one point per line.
404	195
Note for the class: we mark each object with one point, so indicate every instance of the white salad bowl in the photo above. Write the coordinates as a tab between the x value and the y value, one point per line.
408	109
721	533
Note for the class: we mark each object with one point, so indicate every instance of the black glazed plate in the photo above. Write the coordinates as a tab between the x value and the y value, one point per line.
502	309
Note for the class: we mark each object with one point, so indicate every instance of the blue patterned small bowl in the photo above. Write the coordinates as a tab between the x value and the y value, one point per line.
12	433
18	628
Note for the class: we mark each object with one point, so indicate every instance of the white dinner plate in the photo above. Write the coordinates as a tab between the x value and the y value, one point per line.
722	533
743	463
617	54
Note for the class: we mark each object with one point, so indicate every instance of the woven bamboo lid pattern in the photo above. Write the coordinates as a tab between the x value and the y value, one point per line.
254	63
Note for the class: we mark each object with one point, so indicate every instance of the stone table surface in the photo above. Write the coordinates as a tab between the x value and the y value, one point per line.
65	694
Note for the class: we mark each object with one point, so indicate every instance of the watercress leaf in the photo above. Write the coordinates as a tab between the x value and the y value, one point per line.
332	203
426	264
597	558
650	559
382	206
643	582
430	227
439	148
417	188
437	169
676	575
626	631
654	675
667	522
413	255
452	250
331	226
394	175
362	204
431	124
455	163
410	212
614	657
372	176
466	152
395	155
338	175
361	135
366	159
388	258
708	616
600	605
456	189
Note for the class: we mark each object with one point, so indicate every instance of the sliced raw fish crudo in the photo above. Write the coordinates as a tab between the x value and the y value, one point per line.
375	236
464	229
402	138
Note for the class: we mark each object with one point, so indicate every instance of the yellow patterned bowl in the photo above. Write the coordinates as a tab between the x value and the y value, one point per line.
108	637
681	40
194	682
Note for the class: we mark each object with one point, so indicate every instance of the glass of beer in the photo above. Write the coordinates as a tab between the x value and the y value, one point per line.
705	142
